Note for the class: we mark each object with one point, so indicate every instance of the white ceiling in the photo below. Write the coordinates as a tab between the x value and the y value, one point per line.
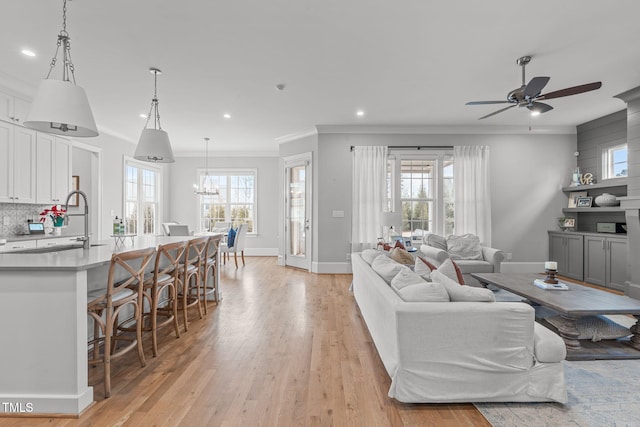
405	63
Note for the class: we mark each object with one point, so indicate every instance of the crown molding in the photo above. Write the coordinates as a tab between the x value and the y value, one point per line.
295	136
218	154
629	95
421	129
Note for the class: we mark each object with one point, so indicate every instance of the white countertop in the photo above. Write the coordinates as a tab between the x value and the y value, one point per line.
80	259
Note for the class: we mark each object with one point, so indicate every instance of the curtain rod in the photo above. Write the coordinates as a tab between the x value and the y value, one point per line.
417	147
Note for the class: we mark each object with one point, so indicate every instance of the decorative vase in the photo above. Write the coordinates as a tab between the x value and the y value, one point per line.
57	230
606	199
58	221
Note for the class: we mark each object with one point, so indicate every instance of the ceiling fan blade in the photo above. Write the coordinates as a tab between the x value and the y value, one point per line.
535	86
486	102
497	112
571	90
539	107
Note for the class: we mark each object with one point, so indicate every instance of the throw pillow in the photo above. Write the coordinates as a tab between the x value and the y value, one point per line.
450	269
424	268
368	255
424	292
406	277
231	237
386	267
462	293
399	245
435	240
466	246
402	256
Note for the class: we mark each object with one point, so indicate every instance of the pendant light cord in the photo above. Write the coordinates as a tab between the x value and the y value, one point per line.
154	104
63	40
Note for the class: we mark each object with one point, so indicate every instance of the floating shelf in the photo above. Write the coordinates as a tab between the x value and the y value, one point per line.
609	183
594	209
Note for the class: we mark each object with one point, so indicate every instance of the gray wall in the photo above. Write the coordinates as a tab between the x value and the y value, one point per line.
183	206
528	172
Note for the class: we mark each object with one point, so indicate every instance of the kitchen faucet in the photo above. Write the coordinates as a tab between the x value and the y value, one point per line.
85	239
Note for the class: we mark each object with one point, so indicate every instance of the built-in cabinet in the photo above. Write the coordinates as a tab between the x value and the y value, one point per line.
567	250
53	163
13	109
588	217
605	261
17	164
594	258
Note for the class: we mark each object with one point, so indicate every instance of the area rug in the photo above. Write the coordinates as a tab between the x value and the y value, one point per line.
601	393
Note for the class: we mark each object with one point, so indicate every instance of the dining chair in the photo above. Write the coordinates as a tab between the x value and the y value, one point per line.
189	272
179	230
105	305
165	227
209	276
161	290
238	245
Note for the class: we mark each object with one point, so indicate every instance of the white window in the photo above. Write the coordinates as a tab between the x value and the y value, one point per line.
614	161
141	197
421	188
236	202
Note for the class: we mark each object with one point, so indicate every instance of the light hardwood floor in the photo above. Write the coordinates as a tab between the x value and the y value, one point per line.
283	348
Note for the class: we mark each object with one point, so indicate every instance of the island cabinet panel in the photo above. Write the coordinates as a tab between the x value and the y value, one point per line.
567	250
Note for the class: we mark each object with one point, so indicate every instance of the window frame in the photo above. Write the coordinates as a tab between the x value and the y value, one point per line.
158	171
229	172
394	168
608	165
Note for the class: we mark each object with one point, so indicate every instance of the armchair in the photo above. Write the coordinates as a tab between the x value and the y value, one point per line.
490	262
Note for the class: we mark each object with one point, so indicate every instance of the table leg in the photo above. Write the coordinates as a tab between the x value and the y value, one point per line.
569	333
635	339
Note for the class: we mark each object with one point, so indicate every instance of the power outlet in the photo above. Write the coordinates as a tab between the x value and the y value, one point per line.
509	256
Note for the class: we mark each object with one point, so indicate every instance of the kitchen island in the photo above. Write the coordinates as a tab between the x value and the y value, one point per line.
43	316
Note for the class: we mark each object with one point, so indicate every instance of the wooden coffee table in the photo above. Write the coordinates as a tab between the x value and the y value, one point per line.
572	304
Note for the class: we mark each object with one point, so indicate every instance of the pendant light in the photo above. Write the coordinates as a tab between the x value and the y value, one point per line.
208	189
61	107
154	145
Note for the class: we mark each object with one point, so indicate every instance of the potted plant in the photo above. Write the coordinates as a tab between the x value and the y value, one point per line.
57	217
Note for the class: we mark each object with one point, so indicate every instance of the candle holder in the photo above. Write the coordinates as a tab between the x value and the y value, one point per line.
551	276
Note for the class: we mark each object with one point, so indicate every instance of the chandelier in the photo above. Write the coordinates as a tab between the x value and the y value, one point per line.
60	106
154	145
208	189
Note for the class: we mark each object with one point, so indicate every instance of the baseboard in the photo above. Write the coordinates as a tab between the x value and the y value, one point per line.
261	251
522	267
331	267
54	405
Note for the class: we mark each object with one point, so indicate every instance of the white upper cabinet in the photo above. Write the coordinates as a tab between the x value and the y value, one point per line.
17	164
53	169
13	109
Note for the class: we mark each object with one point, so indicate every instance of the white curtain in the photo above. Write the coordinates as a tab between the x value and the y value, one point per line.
472	192
369	190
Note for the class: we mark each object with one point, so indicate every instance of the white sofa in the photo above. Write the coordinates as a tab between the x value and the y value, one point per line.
490	262
459	351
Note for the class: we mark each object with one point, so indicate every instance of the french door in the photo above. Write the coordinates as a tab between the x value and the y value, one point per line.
298	211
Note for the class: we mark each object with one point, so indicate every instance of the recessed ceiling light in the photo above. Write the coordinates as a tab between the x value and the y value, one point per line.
535	113
359	113
226	116
28	52
144	116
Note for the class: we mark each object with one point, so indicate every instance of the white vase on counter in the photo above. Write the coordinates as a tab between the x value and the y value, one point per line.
56	231
606	199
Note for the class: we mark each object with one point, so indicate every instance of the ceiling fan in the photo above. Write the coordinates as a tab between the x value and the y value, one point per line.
528	95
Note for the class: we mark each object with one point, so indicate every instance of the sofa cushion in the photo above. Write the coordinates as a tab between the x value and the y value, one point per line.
462	293
406	277
401	256
424	292
451	270
424	268
466	246
435	240
386	267
370	254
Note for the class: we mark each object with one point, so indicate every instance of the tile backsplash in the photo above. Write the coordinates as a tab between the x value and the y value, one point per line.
15	215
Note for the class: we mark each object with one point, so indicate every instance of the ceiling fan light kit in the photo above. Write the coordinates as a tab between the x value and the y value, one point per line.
154	145
530	94
60	106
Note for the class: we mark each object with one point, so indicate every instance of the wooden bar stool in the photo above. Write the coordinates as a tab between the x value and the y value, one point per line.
208	267
190	278
126	269
161	290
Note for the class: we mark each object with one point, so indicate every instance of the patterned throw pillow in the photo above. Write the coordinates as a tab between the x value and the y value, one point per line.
466	246
435	240
231	237
402	256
